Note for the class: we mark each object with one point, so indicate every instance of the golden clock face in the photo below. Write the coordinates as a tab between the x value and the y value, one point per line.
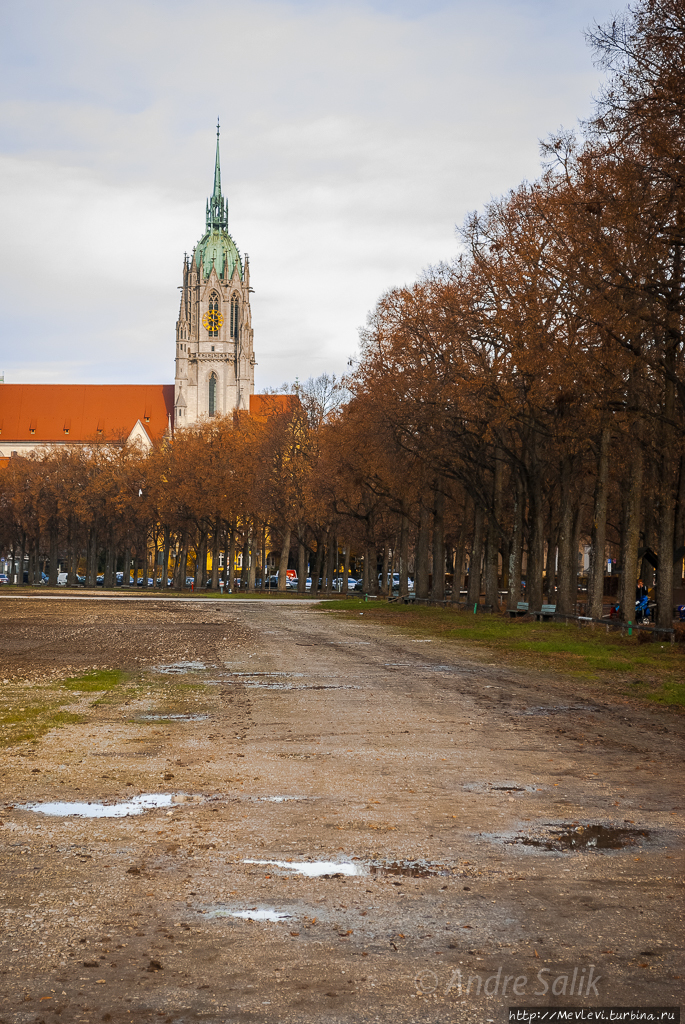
212	320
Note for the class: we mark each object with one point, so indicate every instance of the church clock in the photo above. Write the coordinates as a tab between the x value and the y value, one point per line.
212	320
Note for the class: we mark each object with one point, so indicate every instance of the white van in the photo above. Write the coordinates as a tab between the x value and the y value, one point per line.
62	579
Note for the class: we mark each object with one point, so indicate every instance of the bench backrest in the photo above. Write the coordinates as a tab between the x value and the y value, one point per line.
522	606
549	609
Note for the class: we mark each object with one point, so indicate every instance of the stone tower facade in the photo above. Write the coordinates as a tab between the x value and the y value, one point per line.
214	339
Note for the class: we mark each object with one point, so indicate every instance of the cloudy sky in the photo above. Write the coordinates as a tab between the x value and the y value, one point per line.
355	137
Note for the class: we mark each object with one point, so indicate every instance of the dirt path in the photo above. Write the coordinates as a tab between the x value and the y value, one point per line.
443	791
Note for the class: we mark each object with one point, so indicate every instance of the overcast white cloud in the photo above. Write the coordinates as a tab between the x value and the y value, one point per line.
355	136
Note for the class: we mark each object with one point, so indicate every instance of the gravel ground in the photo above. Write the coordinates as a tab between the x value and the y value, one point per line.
486	838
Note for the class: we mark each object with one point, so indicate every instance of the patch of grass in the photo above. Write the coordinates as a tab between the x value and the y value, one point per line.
26	724
590	655
94	682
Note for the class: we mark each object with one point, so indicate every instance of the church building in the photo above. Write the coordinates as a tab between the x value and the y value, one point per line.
214	351
214	363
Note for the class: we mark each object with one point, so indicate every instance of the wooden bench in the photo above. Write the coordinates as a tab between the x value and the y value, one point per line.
546	613
520	609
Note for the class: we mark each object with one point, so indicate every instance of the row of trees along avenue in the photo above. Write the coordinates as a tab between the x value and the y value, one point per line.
508	406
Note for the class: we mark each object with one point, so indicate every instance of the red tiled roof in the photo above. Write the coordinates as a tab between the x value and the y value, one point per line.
45	412
263	406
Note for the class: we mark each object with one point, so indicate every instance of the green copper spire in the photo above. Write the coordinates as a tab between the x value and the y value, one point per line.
217	206
216	249
217	165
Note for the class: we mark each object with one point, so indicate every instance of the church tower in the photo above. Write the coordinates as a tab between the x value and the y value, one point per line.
214	352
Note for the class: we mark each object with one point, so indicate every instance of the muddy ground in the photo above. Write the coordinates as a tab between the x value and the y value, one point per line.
463	796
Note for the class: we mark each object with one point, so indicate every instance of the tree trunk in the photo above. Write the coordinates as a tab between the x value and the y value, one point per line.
372	559
459	553
263	568
666	492
599	528
201	568
20	559
536	544
127	566
108	581
383	590
567	556
283	560
216	549
54	566
165	556
318	564
650	485
516	546
493	544
231	561
438	588
72	570
301	563
252	560
476	557
331	562
404	556
346	569
91	565
631	535
679	539
183	567
245	570
421	568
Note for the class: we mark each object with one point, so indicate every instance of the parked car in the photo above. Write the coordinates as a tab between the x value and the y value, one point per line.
100	579
338	583
62	578
4	578
190	580
80	579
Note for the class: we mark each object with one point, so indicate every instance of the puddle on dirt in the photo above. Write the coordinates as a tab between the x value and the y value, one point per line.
293	686
267	675
313	868
252	915
505	786
581	837
272	686
173	718
137	805
180	668
409	869
279	799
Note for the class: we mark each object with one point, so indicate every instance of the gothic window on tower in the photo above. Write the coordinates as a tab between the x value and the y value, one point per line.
235	316
212	320
212	395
